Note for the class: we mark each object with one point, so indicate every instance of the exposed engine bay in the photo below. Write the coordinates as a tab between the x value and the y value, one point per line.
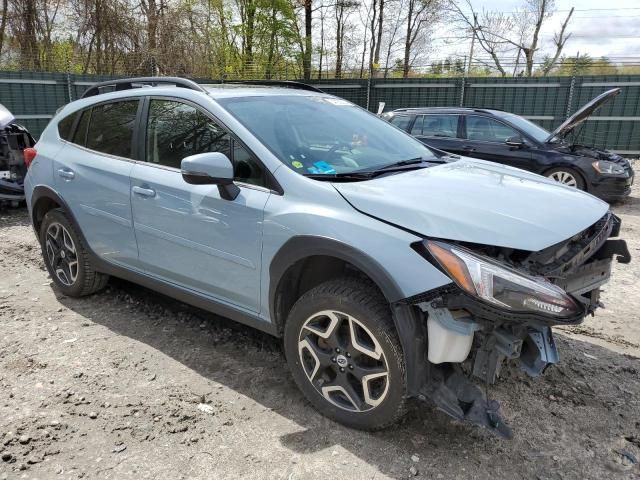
14	138
471	339
596	154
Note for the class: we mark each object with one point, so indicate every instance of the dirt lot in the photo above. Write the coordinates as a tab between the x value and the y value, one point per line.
131	384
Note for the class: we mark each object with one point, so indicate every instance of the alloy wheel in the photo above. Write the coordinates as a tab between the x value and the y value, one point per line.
565	178
343	361
61	254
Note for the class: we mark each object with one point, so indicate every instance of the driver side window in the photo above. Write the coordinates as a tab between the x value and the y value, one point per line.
176	130
488	130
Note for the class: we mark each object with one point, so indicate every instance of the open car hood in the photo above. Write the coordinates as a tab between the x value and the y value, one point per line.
479	202
566	127
6	117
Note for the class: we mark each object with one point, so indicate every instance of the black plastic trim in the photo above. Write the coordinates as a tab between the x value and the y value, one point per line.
277	83
186	296
128	83
300	247
412	330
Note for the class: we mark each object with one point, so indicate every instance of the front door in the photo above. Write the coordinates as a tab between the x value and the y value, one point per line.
486	138
187	234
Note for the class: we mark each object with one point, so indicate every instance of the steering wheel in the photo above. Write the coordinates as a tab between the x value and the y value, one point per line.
334	149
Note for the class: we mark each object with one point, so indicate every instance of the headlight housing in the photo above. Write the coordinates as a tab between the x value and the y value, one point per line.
611	168
499	285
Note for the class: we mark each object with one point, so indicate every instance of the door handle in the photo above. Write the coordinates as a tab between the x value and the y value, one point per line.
144	192
66	173
468	148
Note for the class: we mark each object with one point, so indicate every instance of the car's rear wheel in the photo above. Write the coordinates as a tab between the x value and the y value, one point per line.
66	258
566	176
345	356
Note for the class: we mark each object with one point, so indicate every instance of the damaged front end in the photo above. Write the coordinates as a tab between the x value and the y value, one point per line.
14	138
502	307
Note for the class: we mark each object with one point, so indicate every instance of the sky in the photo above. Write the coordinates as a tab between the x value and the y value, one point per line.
610	28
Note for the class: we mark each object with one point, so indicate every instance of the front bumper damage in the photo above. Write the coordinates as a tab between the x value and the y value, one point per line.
475	339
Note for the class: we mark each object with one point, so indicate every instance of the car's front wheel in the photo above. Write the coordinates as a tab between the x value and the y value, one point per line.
66	258
566	176
345	356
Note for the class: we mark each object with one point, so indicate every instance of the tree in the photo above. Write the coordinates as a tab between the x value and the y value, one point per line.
559	39
343	8
519	33
306	58
419	15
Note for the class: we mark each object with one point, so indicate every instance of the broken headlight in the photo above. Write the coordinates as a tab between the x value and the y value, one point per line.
499	285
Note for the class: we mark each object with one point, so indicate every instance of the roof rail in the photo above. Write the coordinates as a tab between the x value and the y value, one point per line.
278	83
129	83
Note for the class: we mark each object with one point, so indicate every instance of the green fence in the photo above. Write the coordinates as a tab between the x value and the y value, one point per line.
34	98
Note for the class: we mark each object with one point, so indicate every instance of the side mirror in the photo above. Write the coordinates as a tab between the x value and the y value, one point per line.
212	168
515	141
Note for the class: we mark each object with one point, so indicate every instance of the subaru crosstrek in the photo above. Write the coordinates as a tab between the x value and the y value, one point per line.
389	272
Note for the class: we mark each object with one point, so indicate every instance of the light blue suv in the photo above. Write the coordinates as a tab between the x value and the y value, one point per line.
390	271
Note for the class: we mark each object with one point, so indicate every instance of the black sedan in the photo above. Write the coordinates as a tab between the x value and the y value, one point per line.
513	140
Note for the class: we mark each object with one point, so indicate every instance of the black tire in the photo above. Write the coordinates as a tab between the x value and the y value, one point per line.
558	171
87	280
361	301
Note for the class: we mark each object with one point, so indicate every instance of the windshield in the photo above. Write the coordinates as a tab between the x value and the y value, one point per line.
323	135
534	131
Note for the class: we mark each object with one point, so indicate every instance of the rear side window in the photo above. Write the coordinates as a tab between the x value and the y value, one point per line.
401	121
440	126
111	128
65	125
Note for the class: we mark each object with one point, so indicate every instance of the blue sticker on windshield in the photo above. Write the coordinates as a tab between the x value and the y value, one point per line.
323	167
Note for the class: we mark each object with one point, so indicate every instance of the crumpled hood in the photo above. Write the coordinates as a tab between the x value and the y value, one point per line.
479	202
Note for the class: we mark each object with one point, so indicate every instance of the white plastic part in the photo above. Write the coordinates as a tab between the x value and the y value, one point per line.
446	345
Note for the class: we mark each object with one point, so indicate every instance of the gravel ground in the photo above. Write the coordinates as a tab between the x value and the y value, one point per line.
131	384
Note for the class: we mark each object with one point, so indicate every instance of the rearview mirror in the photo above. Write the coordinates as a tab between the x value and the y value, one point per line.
212	168
515	141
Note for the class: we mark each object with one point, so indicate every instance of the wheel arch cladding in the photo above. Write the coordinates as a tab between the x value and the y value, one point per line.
292	263
43	200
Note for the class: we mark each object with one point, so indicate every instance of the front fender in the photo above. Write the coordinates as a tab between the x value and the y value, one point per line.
304	246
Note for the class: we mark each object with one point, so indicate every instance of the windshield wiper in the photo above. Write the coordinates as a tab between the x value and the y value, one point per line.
341	177
418	162
402	165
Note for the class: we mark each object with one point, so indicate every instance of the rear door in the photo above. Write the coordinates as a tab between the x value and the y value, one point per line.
485	138
92	175
187	234
439	131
